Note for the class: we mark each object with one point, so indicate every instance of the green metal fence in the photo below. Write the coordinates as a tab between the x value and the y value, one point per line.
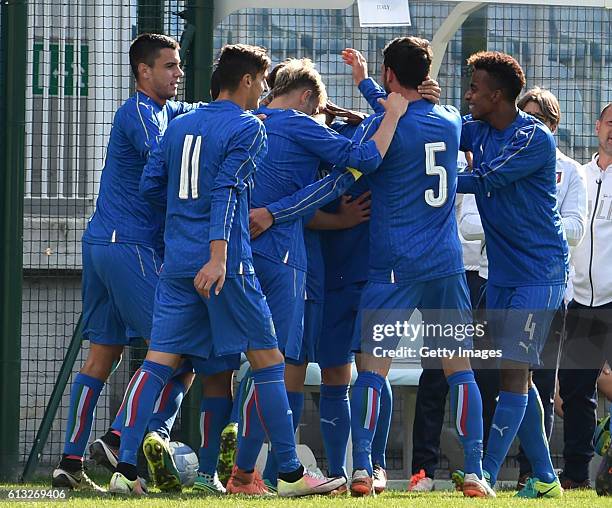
12	80
77	74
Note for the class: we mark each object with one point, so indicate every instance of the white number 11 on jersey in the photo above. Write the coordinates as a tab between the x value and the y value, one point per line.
190	160
431	169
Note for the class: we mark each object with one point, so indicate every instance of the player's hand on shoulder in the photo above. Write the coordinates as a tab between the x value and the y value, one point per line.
430	90
358	63
395	104
353	212
260	219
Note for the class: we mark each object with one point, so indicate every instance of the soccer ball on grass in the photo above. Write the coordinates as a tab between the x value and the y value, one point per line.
186	462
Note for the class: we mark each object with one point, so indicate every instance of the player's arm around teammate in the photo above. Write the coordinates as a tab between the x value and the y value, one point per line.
297	144
339	179
372	91
317	194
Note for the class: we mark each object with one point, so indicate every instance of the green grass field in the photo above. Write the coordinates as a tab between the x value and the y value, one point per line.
583	499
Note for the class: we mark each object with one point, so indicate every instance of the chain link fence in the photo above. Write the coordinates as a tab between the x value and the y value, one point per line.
78	75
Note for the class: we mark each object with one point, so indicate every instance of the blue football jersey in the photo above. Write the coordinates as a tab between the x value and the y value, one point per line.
297	145
514	182
413	229
206	162
346	251
315	275
122	214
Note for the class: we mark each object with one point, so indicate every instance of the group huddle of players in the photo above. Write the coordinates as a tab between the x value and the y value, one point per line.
236	227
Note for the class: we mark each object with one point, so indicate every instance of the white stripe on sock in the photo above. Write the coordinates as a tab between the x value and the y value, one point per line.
370	409
129	407
459	409
79	411
250	395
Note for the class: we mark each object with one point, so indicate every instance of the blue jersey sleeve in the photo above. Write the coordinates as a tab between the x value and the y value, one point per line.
154	179
247	146
180	108
523	155
334	148
466	183
365	131
343	128
141	124
307	200
141	127
372	91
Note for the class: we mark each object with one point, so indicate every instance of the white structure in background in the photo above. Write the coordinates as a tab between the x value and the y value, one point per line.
78	76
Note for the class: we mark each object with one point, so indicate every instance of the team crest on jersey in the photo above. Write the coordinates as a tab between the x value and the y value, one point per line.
559	177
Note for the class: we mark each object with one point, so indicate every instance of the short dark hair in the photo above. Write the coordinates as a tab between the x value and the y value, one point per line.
215	89
236	60
272	74
146	47
603	111
504	71
410	59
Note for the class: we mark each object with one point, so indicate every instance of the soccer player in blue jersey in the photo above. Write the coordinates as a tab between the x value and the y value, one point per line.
208	300
122	256
415	254
297	144
345	254
514	182
215	407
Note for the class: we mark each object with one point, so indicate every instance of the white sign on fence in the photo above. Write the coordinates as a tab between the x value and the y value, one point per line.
384	13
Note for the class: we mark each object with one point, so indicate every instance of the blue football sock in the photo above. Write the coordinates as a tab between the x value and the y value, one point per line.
119	420
84	396
466	412
214	416
166	407
379	444
365	405
162	420
296	404
139	401
251	435
276	416
533	438
504	427
235	416
335	421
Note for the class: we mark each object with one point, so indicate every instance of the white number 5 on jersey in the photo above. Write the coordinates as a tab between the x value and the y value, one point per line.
190	161
440	171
